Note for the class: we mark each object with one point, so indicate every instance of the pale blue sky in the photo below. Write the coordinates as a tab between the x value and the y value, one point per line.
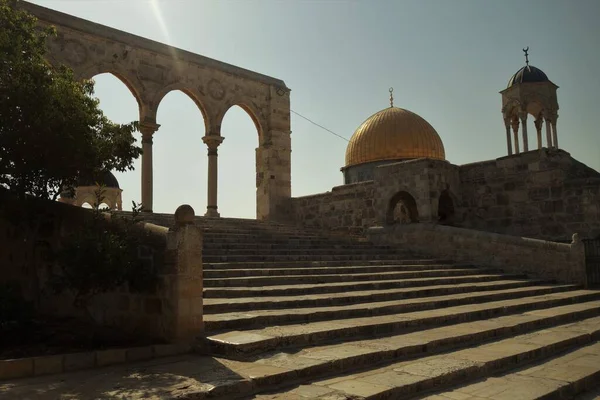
446	59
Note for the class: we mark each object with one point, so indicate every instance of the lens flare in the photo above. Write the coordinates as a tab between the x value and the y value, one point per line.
159	18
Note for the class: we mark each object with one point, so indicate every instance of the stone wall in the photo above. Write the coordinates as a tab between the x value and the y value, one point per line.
345	208
536	258
32	230
542	194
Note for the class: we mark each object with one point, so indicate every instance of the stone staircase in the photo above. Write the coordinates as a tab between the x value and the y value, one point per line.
295	314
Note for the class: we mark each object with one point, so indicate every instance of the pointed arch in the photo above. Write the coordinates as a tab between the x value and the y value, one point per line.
179	163
250	109
196	97
134	86
399	205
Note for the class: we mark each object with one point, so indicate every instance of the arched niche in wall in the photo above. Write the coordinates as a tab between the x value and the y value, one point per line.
402	208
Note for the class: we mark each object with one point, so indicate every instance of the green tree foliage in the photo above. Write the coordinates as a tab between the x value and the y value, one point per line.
52	132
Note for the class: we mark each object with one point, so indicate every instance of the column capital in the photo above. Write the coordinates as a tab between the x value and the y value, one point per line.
213	141
147	130
523	115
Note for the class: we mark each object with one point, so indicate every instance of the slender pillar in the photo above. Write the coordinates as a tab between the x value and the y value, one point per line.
212	142
508	139
515	127
147	131
548	132
523	117
554	134
538	128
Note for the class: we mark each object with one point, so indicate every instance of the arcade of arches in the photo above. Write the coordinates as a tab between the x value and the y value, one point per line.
151	70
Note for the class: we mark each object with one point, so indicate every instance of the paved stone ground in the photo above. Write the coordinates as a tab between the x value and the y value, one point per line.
158	379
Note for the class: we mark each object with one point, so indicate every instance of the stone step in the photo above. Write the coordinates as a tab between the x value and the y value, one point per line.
561	377
307	252
299	290
237	246
317	264
412	378
312	333
224	238
337	256
225	273
220	305
197	377
254	281
273	235
378	311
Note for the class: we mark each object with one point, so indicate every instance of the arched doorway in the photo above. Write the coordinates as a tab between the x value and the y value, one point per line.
402	209
445	208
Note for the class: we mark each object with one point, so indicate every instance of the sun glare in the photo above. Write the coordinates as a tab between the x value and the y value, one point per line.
159	18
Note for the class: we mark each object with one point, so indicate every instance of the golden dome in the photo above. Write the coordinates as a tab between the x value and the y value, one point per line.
392	134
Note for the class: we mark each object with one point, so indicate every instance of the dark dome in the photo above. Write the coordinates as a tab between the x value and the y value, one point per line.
528	73
106	178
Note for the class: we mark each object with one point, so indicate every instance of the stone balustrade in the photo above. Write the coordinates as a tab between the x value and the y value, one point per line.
536	258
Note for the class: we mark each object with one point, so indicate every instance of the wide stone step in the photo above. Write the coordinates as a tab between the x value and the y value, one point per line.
335	256
269	246
314	252
312	333
408	379
254	281
316	264
225	273
260	318
253	239
299	290
561	377
220	305
196	377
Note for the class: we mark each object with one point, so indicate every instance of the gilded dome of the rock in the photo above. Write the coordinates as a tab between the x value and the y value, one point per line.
394	134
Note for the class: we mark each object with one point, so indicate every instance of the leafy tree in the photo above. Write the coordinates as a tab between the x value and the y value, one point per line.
52	132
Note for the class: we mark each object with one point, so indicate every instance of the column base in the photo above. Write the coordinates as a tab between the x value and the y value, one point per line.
212	212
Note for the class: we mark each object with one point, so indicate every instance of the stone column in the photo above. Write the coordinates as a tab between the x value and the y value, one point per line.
212	142
554	133
147	131
538	127
515	127
548	132
508	139
523	118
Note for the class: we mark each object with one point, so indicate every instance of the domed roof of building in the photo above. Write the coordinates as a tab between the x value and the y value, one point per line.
106	178
394	134
527	74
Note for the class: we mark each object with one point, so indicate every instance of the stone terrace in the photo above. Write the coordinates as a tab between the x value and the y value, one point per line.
296	314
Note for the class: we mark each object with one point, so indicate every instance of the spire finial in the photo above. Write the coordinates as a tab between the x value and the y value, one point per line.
391	97
526	51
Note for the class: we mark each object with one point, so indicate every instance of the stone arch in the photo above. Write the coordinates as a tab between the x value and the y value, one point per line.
402	202
250	110
128	82
446	207
194	96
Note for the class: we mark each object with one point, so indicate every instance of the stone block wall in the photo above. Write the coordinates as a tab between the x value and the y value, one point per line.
32	230
346	208
423	179
536	258
542	194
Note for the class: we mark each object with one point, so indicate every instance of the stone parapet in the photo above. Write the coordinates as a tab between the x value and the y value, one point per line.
31	231
536	258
